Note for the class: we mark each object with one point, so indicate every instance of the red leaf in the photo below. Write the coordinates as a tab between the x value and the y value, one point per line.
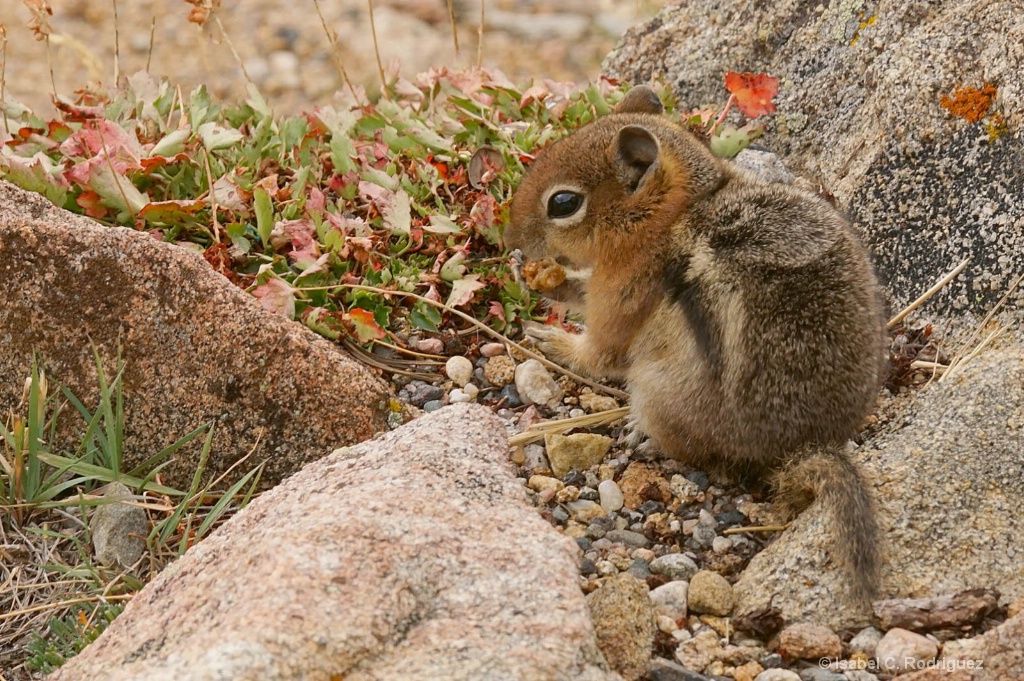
753	92
364	324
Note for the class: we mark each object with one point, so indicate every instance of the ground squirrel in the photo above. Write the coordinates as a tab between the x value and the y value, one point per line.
744	316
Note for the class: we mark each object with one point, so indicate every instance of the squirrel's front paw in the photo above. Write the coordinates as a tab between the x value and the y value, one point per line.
555	342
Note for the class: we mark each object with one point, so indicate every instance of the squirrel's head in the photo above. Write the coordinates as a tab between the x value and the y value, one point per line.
618	182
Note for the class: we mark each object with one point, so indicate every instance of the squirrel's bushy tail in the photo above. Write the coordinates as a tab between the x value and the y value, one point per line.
826	474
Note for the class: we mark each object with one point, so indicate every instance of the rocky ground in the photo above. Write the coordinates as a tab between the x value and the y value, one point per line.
286	52
666	525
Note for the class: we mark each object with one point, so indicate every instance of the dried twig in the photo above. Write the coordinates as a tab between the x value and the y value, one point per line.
537	431
757	528
117	46
152	39
332	38
480	38
964	356
376	49
892	323
455	29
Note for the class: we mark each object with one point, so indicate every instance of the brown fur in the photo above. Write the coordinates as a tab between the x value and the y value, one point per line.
745	316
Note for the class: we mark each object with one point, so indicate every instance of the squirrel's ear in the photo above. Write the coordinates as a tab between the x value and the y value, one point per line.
640	99
636	155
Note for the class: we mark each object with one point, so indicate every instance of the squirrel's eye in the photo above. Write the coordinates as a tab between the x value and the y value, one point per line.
564	204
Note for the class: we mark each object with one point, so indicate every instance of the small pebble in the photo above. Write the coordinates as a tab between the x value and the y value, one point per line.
510	395
535	384
560	515
699	478
578	451
584	543
594	403
457	396
628	538
433	405
777	675
721	545
665	623
567	494
500	371
459	369
584	511
600	526
576	413
675	566
431	346
670	600
772	661
805	641
703	536
492	349
611	496
866	641
589	493
587	567
819	674
711	593
471	390
543	483
747	672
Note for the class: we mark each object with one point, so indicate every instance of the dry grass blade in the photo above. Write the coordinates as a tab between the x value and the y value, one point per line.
927	294
967	353
332	38
480	38
455	29
234	52
117	46
3	74
538	430
756	528
376	48
152	39
391	366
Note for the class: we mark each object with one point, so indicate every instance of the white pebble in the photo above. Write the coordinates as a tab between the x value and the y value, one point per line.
459	369
721	545
611	496
535	385
457	395
471	390
576	413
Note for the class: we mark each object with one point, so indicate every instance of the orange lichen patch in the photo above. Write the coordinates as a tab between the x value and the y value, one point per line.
970	103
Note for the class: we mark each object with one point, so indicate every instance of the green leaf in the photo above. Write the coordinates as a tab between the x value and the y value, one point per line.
172	143
425	317
264	215
216	136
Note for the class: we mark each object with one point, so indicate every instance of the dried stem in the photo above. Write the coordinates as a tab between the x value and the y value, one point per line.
376	48
117	46
455	29
480	38
332	38
234	52
152	39
949	276
3	76
537	431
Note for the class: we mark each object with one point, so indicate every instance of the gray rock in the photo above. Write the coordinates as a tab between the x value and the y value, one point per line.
858	113
624	622
675	566
633	540
432	405
510	395
665	670
777	675
819	674
468	582
866	641
901	650
670	600
535	385
196	348
948	479
710	593
118	529
425	392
